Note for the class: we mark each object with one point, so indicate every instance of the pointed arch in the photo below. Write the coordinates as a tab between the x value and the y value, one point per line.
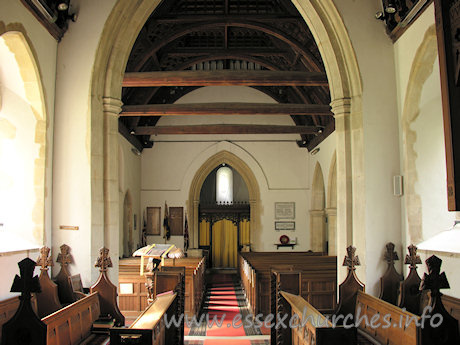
195	188
32	94
324	21
331	208
317	213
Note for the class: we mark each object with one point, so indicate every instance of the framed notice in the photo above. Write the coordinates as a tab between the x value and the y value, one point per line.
153	221
448	34
280	226
176	221
284	210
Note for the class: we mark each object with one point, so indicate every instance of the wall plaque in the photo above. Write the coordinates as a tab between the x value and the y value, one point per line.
284	210
68	227
176	221
153	221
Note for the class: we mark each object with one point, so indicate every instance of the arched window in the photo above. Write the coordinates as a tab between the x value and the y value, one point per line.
224	185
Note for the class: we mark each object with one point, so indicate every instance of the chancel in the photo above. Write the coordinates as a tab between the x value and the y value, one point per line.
246	147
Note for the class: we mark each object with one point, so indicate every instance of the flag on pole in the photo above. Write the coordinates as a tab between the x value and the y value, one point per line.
166	227
186	239
144	230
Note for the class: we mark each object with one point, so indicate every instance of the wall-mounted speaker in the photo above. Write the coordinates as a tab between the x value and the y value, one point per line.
397	185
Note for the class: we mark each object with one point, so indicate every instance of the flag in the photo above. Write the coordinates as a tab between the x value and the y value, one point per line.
166	227
186	240
144	230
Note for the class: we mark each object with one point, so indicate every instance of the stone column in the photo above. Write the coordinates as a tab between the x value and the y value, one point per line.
252	222
342	110
331	215
112	108
196	225
317	230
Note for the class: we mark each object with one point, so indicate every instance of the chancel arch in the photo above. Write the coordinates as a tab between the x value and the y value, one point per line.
317	212
22	140
323	19
248	177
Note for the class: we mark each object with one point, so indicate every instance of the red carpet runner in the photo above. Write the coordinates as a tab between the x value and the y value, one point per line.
224	309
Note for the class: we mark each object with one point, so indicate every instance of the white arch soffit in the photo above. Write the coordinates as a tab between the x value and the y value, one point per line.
318	193
332	182
30	74
422	67
331	37
33	87
211	151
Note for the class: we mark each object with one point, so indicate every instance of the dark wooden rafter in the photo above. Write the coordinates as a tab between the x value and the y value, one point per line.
254	59
133	139
226	129
224	77
265	35
320	137
203	26
225	109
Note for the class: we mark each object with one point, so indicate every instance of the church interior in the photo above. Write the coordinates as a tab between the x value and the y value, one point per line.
222	148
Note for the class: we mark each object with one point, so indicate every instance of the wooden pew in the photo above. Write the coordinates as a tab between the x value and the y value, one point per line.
149	328
319	330
379	322
409	292
69	325
133	296
66	293
318	278
8	308
72	324
390	325
390	281
47	299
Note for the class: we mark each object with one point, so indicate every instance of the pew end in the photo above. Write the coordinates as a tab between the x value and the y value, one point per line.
150	328
312	327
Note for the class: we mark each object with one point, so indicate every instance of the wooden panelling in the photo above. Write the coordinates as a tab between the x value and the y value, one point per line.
318	278
137	301
72	324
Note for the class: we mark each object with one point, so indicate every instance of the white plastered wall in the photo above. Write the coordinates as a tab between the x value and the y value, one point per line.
422	143
281	168
130	180
73	194
380	209
15	17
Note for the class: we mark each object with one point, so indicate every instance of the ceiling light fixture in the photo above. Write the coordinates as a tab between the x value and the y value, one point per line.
314	151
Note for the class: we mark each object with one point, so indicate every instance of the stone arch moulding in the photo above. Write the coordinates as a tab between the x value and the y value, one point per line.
195	188
331	207
119	34
421	69
19	45
317	214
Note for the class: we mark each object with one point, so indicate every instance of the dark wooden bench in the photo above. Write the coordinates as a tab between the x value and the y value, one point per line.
320	331
71	324
318	278
133	293
377	321
150	328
